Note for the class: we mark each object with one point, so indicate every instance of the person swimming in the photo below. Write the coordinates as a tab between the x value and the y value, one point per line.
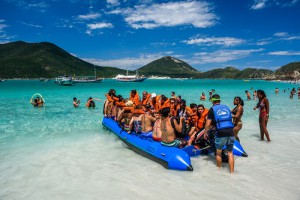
37	102
76	102
90	103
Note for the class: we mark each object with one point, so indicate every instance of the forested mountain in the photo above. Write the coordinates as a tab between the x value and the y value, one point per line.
36	60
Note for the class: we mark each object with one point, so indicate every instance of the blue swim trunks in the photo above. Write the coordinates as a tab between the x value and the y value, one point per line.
220	142
175	143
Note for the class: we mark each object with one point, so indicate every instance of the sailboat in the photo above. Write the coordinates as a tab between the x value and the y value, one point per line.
130	78
87	79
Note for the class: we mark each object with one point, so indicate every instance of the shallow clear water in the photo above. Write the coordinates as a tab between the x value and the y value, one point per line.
58	152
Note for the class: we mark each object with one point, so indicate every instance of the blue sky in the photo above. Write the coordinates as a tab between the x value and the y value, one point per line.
128	34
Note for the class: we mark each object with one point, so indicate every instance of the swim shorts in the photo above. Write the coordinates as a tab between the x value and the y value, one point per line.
220	142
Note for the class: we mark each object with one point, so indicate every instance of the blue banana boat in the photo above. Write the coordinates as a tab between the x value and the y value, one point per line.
169	157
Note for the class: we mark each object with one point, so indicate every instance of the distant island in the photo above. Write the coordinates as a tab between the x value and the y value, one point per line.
35	60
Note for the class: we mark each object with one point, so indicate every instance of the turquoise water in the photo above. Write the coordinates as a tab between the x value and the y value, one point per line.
59	152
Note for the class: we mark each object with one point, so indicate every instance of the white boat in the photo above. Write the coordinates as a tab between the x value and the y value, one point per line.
87	79
130	78
44	79
159	77
64	80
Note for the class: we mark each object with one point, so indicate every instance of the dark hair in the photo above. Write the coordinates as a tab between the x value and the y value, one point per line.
241	101
193	105
74	98
262	93
200	105
165	112
133	91
260	99
120	97
173	93
163	97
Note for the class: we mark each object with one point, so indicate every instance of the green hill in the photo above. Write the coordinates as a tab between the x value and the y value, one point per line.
233	73
228	72
289	71
34	60
253	73
169	66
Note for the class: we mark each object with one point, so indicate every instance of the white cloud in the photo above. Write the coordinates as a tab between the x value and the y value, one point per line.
32	25
281	34
292	3
196	13
38	5
129	62
2	25
209	41
263	42
286	36
259	4
99	26
89	16
222	55
113	2
285	53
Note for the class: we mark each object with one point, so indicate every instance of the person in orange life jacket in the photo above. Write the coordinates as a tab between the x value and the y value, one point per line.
219	116
134	97
145	99
164	102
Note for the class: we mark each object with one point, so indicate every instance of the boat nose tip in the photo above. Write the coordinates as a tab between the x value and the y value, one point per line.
244	154
189	168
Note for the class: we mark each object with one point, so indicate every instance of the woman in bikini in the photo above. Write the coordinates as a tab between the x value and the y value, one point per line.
264	109
237	114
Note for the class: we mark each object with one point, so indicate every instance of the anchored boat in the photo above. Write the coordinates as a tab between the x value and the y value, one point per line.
130	78
64	80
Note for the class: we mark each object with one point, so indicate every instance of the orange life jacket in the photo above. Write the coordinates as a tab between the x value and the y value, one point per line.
201	120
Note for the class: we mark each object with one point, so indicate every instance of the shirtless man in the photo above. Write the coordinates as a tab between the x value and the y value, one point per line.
156	133
168	137
76	102
147	121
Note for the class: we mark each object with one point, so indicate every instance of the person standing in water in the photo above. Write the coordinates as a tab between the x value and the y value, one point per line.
254	95
75	102
264	109
236	115
219	117
248	95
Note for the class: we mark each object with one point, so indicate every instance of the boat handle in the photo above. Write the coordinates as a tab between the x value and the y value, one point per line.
163	154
